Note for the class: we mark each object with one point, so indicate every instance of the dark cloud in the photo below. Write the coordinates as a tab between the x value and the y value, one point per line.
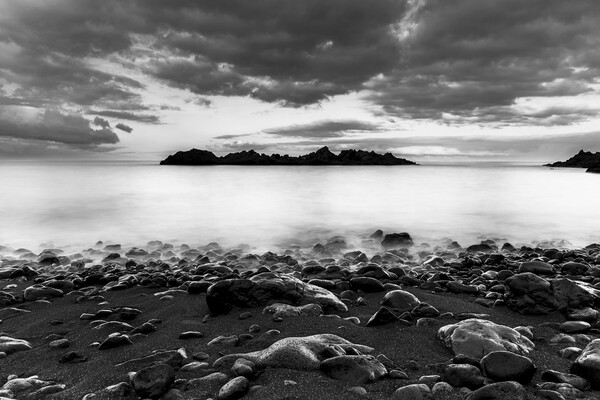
53	126
149	119
232	136
124	127
475	58
465	61
101	122
324	129
296	53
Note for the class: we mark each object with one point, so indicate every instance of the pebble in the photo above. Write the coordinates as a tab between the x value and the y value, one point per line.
234	389
59	343
191	335
416	391
500	353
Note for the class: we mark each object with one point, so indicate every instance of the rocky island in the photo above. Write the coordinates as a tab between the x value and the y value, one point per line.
376	317
322	156
583	159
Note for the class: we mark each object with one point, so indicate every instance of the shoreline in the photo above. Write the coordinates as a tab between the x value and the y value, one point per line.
70	315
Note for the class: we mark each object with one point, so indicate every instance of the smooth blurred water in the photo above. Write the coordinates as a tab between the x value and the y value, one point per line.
131	203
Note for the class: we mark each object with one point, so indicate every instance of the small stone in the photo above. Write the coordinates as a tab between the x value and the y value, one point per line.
441	390
115	341
59	343
429	379
72	357
574	327
500	391
234	389
570	353
397	374
153	381
201	356
194	366
243	367
245	315
382	316
459	375
191	335
230	341
358	391
254	329
417	391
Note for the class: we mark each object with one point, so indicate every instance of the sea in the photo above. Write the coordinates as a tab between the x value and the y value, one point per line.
63	204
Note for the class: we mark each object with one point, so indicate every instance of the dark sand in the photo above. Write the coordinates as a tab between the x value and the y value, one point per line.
416	350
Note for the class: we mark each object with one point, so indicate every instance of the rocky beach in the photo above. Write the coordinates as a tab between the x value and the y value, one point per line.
379	317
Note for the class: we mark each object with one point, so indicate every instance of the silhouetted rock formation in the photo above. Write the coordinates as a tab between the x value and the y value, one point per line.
583	159
322	156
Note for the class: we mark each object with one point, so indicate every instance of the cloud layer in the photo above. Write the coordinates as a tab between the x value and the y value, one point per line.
483	62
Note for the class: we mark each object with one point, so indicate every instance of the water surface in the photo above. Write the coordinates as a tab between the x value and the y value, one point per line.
131	203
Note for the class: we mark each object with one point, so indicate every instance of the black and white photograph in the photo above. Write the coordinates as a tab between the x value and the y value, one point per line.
299	199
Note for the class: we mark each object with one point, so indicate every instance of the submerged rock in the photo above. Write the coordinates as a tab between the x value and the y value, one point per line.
396	240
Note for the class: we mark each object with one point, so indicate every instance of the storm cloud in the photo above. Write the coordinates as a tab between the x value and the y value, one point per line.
56	127
464	62
475	58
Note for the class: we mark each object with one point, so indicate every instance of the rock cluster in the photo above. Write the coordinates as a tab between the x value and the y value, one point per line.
400	286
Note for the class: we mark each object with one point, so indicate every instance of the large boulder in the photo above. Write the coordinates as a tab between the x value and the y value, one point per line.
478	337
299	353
587	365
530	294
266	287
573	295
400	300
508	366
37	292
396	240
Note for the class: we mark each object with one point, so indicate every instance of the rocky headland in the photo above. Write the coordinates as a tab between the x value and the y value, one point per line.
322	156
380	317
583	159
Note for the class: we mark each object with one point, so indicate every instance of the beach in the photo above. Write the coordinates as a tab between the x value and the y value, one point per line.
84	324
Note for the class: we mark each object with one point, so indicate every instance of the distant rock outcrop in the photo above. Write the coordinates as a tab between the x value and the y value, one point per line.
583	159
322	156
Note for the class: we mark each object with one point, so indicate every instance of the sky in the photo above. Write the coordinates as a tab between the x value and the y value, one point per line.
428	80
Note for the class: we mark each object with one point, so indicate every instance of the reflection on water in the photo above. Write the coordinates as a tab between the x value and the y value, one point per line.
68	203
